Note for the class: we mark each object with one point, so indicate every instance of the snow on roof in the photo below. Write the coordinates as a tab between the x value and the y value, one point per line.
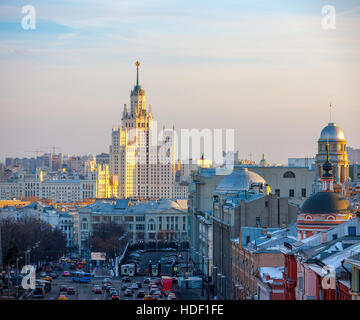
272	272
335	259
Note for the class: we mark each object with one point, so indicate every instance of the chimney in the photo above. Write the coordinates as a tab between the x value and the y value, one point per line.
323	237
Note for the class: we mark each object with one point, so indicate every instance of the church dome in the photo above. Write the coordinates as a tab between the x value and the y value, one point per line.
325	202
333	132
239	180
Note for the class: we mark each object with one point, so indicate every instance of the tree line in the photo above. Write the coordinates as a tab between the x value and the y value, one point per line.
17	236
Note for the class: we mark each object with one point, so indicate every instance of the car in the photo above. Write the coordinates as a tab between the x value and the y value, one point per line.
63	288
147	280
141	294
139	284
171	296
135	286
66	273
152	291
112	291
128	293
156	297
148	297
106	280
124	287
43	274
47	278
158	281
126	279
54	275
115	297
157	293
72	267
97	290
70	290
109	288
62	297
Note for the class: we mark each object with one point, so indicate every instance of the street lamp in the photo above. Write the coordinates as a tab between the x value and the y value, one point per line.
224	277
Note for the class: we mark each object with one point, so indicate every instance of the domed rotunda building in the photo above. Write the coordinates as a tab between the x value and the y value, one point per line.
323	210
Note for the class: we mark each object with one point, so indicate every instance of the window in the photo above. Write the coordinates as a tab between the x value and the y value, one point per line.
303	192
291	193
266	204
352	231
258	221
289	174
334	236
277	192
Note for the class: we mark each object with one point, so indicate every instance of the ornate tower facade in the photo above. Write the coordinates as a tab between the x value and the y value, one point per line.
143	168
337	153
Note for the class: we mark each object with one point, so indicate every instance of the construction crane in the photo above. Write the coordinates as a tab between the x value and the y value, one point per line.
53	148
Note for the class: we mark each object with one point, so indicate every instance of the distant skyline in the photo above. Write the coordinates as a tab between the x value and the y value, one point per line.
264	68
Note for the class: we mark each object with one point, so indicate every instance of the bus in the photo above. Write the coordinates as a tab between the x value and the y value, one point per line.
80	276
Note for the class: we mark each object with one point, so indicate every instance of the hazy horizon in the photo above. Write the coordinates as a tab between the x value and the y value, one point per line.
266	69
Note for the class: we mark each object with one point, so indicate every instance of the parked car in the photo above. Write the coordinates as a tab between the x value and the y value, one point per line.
66	273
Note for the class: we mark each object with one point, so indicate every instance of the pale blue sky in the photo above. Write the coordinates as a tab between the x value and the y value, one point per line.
265	68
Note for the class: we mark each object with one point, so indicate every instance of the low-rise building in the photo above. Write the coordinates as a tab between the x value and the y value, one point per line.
150	221
243	199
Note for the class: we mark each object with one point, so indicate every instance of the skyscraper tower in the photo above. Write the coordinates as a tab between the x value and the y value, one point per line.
144	169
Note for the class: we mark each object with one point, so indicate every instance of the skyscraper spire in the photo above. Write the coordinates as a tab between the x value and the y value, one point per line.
137	73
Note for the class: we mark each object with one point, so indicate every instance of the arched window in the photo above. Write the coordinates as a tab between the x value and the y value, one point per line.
289	174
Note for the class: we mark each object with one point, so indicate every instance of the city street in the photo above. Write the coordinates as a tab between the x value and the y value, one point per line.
84	291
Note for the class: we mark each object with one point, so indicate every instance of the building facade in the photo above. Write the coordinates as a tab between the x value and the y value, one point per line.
144	167
37	185
338	156
150	221
242	199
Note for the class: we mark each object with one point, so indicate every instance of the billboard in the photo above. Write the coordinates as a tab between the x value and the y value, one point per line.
98	256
